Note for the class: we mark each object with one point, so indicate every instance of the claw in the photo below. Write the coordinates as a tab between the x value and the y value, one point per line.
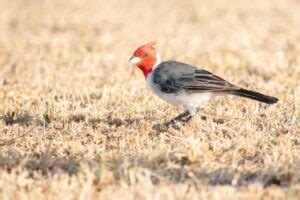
183	117
180	118
171	122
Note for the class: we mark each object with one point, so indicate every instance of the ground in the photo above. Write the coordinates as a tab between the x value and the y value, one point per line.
77	121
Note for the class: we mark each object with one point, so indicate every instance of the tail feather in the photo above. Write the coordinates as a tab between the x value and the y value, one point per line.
255	96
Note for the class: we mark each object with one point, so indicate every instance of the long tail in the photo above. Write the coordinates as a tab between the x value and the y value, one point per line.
255	96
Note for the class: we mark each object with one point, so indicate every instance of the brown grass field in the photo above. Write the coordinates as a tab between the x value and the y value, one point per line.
77	121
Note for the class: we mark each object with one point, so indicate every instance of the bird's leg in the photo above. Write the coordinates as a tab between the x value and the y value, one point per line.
187	119
184	117
179	118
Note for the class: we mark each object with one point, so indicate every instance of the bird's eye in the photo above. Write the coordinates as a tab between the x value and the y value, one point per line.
145	55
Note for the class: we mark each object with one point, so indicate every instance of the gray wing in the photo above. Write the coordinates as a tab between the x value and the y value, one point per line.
173	76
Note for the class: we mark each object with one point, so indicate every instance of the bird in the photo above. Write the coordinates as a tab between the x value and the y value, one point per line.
185	86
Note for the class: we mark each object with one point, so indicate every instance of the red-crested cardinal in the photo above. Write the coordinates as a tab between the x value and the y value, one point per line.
183	85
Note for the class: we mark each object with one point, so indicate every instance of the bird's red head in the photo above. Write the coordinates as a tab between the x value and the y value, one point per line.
145	57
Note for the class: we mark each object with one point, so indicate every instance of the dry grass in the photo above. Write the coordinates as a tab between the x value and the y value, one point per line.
76	120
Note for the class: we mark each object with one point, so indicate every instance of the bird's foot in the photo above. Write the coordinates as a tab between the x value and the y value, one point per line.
184	120
170	123
183	117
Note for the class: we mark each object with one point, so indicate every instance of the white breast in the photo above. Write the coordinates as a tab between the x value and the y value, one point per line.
181	100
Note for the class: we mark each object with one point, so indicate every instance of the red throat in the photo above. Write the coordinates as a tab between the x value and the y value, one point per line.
146	65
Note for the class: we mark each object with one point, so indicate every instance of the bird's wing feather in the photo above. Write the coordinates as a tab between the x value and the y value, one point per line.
173	77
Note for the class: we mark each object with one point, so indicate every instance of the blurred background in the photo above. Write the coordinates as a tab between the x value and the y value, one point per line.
60	45
95	36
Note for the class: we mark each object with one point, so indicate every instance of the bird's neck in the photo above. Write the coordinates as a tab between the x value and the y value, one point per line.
148	64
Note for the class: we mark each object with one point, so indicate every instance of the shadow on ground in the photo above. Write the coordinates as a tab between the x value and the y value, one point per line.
11	118
173	168
160	170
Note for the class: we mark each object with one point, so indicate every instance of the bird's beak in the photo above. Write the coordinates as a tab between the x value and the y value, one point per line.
134	60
